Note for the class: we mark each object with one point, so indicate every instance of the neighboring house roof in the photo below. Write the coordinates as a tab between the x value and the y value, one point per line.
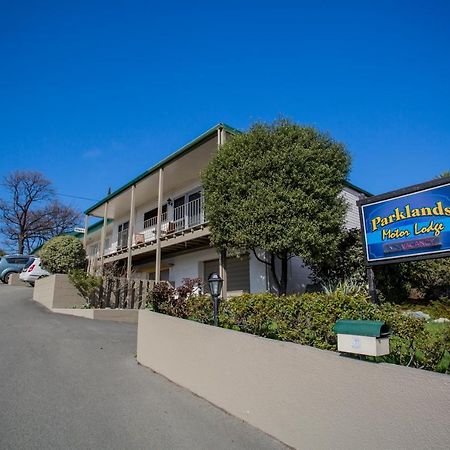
181	152
91	229
358	189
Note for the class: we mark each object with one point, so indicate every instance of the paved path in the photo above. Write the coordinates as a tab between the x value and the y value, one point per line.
72	383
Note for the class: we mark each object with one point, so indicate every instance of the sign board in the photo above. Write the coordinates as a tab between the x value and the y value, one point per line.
409	224
78	230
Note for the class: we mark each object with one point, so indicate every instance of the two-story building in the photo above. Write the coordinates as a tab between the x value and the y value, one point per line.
154	226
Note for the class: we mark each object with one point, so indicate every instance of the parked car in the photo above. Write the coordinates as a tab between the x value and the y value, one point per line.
33	271
10	264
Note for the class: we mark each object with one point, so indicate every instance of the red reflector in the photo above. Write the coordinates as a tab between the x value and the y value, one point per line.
31	267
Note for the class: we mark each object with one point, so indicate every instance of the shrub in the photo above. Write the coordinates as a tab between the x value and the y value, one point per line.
431	279
167	300
62	254
86	284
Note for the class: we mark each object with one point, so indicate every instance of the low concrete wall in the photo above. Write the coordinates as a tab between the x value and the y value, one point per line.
115	315
307	398
14	280
56	291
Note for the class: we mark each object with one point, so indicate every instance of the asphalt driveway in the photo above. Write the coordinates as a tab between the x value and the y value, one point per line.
73	383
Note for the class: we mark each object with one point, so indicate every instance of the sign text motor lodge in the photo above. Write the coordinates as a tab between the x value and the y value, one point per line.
413	223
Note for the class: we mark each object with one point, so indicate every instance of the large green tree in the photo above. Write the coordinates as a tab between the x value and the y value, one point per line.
277	188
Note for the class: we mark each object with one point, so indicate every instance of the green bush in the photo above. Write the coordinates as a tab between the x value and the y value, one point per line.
395	282
176	302
63	254
86	284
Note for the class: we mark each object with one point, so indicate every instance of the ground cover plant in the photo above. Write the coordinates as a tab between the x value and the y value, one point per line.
308	319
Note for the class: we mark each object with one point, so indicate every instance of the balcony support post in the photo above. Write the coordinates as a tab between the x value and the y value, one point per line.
86	225
103	235
158	227
223	272
130	231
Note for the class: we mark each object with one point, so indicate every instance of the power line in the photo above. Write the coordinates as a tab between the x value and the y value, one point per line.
77	197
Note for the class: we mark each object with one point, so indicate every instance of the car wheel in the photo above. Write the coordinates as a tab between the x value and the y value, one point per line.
6	277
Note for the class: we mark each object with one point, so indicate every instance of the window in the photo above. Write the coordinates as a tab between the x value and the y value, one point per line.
150	216
122	236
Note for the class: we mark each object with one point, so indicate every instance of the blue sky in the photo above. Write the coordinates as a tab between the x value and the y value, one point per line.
93	93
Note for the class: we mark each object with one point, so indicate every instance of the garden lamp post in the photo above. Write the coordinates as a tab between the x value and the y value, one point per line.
215	287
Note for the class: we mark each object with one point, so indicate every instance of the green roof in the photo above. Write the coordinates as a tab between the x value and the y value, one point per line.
91	229
181	152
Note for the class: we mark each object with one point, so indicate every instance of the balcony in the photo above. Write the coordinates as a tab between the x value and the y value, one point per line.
175	222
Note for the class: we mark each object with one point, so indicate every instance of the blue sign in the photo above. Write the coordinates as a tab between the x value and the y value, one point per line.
410	224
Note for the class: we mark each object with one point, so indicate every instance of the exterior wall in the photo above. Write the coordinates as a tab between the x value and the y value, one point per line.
352	219
258	274
189	265
305	397
298	275
261	279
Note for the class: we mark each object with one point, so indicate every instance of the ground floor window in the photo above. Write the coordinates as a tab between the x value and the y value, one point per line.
238	273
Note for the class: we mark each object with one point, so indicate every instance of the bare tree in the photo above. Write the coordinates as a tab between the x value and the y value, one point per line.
31	214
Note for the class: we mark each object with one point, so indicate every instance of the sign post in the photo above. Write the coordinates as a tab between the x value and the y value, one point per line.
406	225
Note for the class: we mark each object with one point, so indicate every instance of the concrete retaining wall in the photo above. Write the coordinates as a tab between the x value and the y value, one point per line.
305	397
115	315
56	291
14	280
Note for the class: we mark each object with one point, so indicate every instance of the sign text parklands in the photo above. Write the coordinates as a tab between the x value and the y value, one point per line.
412	223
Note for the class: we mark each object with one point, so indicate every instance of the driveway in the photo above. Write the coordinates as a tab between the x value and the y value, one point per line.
73	383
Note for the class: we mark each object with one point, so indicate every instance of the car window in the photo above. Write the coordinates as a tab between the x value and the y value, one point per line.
17	260
28	264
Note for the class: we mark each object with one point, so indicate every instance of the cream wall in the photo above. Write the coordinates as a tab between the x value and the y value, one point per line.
305	397
352	218
189	265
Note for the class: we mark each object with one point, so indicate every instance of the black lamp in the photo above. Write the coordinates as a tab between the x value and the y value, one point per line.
215	283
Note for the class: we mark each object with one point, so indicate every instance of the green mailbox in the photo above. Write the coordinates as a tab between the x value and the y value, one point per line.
363	337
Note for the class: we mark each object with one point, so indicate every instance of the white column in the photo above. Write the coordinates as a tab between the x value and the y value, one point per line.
158	228
131	231
103	236
86	225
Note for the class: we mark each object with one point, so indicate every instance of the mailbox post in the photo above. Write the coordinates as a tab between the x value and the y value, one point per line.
363	337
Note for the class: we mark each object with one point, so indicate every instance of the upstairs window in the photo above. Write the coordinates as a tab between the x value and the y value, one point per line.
150	216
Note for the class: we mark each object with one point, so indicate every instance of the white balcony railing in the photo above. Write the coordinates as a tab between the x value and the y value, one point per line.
180	218
151	223
177	219
189	215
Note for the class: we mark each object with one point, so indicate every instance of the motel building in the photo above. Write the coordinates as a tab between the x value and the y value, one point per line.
154	227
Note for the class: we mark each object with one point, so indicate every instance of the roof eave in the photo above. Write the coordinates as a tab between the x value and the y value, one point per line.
172	157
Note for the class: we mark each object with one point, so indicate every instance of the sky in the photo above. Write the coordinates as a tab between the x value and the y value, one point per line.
94	93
